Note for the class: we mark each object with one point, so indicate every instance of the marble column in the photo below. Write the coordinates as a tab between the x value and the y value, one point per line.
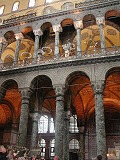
100	22
35	117
66	135
78	26
59	90
98	88
18	37
81	143
57	29
22	135
37	33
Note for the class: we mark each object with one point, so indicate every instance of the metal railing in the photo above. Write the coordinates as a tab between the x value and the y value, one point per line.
45	60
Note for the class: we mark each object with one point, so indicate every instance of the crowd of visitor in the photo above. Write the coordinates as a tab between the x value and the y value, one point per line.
17	153
22	153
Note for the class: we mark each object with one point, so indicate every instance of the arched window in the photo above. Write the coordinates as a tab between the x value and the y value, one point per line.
42	145
15	6
74	144
52	148
43	124
46	124
73	124
1	9
31	3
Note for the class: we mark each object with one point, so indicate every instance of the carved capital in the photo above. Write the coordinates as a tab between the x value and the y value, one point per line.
78	24
100	20
35	116
59	89
57	28
26	93
18	36
38	32
98	87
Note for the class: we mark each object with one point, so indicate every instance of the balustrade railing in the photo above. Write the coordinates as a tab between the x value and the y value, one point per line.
44	60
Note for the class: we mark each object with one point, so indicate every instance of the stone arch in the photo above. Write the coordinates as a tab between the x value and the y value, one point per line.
67	6
112	18
10	37
67	35
42	88
89	20
11	98
47	41
28	33
81	92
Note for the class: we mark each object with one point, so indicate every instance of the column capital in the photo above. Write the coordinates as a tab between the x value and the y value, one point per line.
57	28
98	87
78	24
35	116
26	92
100	20
59	89
38	32
18	36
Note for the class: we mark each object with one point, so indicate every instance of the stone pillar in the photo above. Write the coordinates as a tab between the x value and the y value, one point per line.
100	120
66	135
18	37
100	21
37	33
35	117
81	151
78	26
57	29
59	90
23	117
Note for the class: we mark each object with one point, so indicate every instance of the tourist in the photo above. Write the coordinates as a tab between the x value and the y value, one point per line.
3	153
56	158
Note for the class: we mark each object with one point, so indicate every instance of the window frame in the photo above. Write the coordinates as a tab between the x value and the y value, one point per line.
3	9
17	6
30	2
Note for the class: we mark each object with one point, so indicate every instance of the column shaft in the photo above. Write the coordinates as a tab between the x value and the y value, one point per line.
35	118
78	26
56	52
100	121
100	22
59	122
66	137
79	49
36	47
18	41
23	122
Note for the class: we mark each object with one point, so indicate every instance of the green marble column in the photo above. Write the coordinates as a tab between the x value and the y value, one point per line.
35	117
100	119
66	135
22	135
59	90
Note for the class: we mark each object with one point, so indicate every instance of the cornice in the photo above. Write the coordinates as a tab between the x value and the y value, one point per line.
60	64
